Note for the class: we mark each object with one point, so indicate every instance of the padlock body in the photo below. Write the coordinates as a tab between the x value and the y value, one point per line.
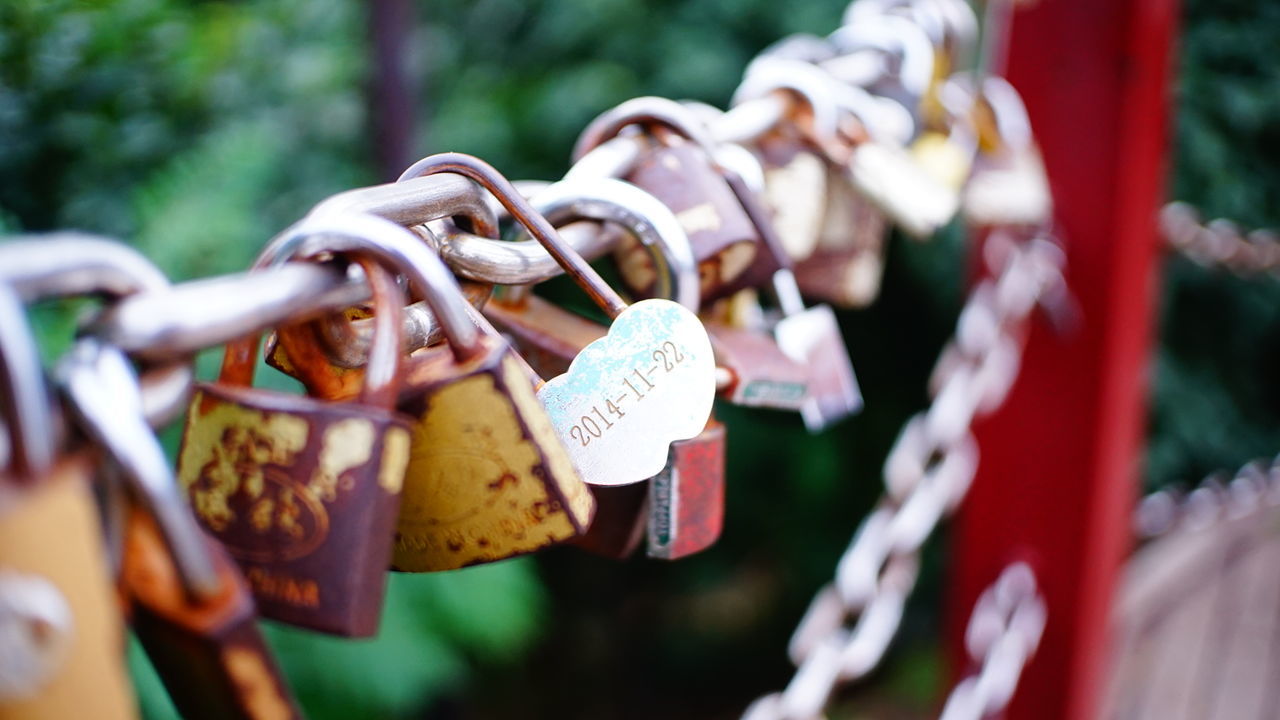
64	642
620	520
795	192
303	494
725	243
488	476
813	338
546	335
686	500
209	653
763	375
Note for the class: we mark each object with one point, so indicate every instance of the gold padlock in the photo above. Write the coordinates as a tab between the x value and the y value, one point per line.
61	637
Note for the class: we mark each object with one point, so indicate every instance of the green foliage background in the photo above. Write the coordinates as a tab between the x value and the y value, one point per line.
195	130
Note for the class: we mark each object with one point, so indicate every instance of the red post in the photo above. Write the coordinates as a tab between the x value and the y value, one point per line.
1060	461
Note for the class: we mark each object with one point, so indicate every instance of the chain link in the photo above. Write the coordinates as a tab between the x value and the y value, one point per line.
1220	242
1003	633
850	623
1218	496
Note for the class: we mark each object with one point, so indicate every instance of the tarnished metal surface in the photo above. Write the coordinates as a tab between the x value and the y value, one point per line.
488	477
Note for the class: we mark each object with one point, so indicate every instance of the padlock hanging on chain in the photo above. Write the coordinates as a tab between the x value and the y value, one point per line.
684	500
304	493
487	477
63	640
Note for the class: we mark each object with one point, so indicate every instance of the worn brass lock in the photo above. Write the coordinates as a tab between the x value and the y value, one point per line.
63	638
304	493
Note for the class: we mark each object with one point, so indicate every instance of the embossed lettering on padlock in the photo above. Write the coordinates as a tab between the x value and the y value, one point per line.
303	493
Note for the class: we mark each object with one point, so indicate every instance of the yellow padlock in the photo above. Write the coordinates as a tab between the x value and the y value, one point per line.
61	636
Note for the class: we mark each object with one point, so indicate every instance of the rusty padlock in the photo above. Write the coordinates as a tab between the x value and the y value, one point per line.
686	499
682	171
209	652
63	641
189	605
304	493
488	478
843	262
846	267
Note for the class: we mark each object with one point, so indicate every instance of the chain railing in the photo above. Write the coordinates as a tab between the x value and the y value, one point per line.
851	622
1220	242
1002	635
1220	495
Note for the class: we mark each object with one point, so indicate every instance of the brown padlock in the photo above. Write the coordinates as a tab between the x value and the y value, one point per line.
63	641
682	172
209	653
846	267
488	478
304	493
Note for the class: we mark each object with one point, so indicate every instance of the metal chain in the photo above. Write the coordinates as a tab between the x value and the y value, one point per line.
1003	633
1218	496
1220	242
851	622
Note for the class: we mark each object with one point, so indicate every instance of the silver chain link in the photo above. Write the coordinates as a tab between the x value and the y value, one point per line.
1220	242
852	621
1003	633
1219	496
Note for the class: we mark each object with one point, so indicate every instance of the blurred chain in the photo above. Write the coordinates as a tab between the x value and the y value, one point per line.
1003	633
1220	242
1219	496
851	622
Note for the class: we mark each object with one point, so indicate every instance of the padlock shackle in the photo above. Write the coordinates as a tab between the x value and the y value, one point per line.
24	396
639	213
575	266
381	387
645	111
396	248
